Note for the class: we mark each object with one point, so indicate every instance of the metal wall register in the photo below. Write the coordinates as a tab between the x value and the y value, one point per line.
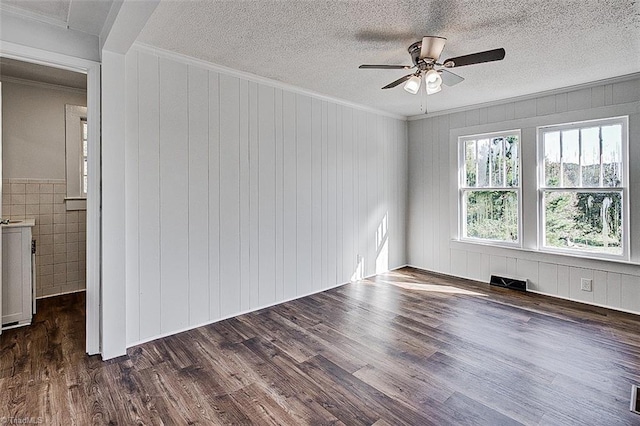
635	399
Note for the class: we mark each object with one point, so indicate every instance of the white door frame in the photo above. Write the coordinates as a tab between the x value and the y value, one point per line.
1	207
92	69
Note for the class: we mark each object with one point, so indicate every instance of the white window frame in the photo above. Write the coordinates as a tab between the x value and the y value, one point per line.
541	187
462	188
94	241
76	198
84	164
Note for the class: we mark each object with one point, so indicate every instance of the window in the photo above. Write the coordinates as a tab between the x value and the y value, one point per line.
76	156
84	157
582	187
489	187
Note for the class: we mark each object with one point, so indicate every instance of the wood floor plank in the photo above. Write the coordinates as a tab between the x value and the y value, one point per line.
402	348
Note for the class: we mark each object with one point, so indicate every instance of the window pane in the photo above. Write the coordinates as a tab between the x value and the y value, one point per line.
84	130
470	162
612	155
552	159
570	152
590	140
492	215
483	163
497	162
584	221
512	154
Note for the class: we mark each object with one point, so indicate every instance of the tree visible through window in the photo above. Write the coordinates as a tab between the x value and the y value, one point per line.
490	187
582	186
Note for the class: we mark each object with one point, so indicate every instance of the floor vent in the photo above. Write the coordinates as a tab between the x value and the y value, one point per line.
520	285
635	399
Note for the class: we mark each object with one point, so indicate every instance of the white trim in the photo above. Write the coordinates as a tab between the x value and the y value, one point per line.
189	60
627	311
1	208
191	327
94	195
45	57
530	96
247	311
25	82
74	159
624	189
599	305
23	13
564	258
73	204
92	69
462	187
551	119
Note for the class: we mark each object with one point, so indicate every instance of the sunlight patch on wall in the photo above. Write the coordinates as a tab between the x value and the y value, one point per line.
382	246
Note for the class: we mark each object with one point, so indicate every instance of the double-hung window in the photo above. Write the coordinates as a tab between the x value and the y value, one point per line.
489	188
583	187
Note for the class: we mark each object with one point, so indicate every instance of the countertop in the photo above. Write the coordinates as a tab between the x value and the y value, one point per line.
19	223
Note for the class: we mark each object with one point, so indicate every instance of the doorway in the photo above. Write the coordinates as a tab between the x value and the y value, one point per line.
65	263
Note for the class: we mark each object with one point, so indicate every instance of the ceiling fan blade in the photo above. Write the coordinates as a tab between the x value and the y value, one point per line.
432	47
449	78
398	81
385	67
475	58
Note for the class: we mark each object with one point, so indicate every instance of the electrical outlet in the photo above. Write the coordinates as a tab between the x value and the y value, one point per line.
585	284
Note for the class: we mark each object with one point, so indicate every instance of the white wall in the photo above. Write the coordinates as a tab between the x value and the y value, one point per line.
34	181
240	194
432	221
48	37
33	129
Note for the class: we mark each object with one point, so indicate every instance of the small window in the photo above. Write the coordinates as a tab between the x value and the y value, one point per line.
76	135
582	187
489	188
84	157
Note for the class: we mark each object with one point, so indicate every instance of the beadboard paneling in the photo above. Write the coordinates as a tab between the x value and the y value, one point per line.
432	216
246	195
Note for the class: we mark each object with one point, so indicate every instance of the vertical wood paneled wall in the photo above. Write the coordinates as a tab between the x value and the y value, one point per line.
432	217
240	195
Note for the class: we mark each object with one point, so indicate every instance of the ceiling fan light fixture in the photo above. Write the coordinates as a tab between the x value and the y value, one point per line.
413	84
433	82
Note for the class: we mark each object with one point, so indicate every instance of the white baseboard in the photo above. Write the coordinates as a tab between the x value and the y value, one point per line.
613	308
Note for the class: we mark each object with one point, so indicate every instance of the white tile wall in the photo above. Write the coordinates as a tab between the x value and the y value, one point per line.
60	234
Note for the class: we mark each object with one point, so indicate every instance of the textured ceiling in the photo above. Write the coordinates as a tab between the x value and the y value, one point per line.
318	45
87	16
28	71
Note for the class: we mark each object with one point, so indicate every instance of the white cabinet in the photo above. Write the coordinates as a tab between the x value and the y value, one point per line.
17	273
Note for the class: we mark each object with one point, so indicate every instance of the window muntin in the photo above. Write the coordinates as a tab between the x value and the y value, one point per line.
489	188
582	194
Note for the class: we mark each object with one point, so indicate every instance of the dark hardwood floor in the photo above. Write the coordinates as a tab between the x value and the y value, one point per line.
403	348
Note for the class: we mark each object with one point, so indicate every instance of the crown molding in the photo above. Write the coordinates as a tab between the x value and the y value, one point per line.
142	47
42	85
535	95
22	13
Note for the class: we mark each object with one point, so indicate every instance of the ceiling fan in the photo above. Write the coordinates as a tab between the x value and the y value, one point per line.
425	54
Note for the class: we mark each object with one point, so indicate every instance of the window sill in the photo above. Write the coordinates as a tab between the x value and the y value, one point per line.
75	203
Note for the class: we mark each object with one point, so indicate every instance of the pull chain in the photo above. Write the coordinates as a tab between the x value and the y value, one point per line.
423	101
